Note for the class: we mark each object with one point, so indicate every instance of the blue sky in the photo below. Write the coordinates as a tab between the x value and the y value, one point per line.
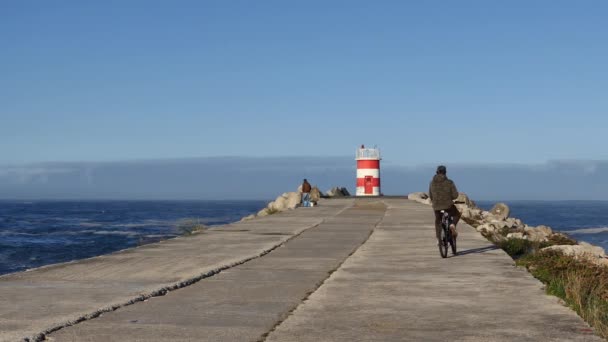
449	81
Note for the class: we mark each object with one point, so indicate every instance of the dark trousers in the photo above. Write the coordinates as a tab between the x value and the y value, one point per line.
453	212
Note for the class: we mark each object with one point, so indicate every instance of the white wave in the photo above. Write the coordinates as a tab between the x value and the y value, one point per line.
90	224
587	230
114	232
155	236
13	232
75	232
146	223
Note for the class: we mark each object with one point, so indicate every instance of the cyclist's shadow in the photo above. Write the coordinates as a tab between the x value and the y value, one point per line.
477	250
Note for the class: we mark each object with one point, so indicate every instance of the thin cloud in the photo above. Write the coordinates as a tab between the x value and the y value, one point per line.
34	173
264	178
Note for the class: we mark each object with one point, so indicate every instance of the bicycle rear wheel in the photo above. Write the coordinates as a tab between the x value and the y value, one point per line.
453	244
443	243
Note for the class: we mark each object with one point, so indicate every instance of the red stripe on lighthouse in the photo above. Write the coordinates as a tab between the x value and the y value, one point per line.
375	182
368	164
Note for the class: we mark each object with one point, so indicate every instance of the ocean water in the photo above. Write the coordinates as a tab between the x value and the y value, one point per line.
38	233
582	220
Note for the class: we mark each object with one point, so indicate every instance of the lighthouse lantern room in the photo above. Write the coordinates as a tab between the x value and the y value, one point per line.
368	171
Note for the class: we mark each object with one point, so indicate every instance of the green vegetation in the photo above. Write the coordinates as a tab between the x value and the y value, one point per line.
560	239
581	284
517	248
189	226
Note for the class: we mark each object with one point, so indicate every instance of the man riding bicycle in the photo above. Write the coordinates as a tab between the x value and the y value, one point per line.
442	192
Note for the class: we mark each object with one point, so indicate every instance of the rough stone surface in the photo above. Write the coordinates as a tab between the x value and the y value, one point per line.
247	218
500	210
279	204
545	230
499	225
420	197
337	192
485	227
292	200
515	236
288	200
583	250
315	194
263	212
536	234
464	199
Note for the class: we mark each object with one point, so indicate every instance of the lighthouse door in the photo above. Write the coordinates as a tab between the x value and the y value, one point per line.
369	187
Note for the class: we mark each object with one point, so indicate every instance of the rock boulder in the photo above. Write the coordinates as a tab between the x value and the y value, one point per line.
500	211
465	200
515	236
420	197
247	218
337	192
315	194
581	251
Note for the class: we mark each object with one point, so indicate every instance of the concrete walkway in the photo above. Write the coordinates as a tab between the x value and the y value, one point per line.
397	288
292	277
44	299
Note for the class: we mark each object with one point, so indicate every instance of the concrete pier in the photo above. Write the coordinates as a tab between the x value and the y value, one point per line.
347	270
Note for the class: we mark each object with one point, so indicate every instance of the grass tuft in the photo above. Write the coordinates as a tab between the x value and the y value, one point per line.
189	226
581	284
517	248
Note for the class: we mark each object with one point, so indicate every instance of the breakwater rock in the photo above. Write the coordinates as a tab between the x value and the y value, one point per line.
338	192
292	200
497	225
420	197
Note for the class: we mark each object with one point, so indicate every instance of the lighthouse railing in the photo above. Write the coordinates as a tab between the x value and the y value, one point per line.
368	153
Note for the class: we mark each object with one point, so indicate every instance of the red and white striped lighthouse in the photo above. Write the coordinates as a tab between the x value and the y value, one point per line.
368	171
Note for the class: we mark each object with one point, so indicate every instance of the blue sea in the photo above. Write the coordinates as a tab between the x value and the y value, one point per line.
38	233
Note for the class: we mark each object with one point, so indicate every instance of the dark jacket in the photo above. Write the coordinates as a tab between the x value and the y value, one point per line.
306	187
442	192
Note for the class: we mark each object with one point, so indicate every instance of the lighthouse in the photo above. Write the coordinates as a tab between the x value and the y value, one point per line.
368	171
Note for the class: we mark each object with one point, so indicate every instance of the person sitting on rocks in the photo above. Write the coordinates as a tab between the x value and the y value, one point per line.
442	192
306	193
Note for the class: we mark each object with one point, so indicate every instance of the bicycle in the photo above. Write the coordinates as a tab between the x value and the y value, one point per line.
446	235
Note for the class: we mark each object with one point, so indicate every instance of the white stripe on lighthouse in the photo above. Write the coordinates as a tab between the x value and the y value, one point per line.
362	173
